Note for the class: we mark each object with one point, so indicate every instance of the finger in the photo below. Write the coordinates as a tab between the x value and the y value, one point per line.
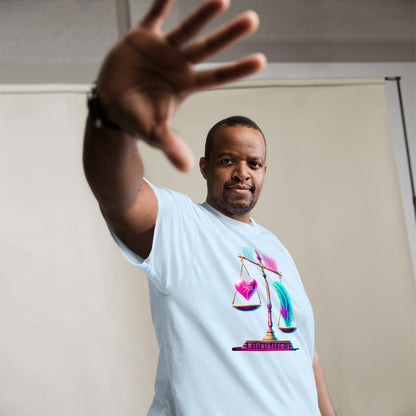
196	21
155	17
177	151
213	43
230	72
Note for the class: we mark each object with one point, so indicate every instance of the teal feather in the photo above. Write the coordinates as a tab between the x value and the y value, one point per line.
248	253
285	303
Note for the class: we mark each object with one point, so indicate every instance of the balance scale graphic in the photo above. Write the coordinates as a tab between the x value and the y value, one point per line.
247	288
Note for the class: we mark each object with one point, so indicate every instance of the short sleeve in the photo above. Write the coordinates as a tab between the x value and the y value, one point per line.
170	258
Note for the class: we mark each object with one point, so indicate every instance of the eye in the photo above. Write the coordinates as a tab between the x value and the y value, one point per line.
226	161
255	164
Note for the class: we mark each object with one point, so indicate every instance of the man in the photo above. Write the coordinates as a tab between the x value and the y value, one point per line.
192	253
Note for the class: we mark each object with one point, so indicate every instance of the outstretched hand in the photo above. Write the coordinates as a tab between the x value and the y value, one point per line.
147	74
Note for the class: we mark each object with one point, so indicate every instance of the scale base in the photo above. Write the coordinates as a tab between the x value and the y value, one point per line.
262	345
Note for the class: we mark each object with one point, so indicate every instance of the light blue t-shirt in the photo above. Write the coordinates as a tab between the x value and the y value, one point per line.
208	297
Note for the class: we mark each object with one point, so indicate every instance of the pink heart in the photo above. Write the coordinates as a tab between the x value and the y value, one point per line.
246	288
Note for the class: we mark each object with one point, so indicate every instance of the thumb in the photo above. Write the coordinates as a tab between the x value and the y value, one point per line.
176	150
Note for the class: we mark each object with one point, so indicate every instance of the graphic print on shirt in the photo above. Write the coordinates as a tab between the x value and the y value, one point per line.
246	285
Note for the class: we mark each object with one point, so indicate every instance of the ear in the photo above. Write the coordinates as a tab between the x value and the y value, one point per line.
203	166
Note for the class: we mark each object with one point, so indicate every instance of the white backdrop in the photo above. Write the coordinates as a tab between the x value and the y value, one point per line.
77	336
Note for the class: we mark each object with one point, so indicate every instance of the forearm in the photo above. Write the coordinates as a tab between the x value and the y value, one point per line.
113	168
324	401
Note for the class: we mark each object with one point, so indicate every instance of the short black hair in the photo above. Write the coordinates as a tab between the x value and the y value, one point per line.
229	122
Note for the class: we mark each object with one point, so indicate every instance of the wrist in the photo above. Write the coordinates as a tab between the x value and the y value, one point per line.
97	114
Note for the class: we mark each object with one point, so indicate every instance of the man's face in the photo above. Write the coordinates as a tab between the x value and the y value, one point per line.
235	170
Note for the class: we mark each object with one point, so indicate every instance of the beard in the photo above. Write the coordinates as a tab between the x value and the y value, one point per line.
237	206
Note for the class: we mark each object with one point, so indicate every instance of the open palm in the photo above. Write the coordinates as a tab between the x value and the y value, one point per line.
148	73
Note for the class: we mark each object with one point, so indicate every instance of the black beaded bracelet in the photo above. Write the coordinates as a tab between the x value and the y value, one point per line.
96	113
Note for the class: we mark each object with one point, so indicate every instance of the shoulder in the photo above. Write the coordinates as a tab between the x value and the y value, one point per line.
271	237
163	193
172	203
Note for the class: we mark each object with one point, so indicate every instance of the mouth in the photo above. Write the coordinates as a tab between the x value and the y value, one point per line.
240	189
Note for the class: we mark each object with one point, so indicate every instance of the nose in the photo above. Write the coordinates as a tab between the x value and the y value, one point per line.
241	172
